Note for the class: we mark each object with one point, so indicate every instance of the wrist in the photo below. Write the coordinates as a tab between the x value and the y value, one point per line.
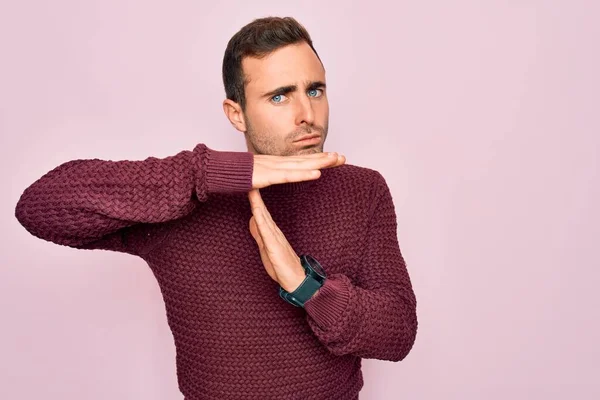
227	171
312	281
292	284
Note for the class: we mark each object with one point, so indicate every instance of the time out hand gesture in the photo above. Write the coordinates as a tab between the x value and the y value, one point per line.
271	170
279	259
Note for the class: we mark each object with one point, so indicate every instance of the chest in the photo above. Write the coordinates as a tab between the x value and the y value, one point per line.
214	243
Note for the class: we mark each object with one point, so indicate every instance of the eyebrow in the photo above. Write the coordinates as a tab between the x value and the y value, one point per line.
283	90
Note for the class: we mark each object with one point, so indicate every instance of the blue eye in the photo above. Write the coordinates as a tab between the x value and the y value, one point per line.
278	98
314	92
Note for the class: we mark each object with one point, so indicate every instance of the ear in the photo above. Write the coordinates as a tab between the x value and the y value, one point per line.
233	112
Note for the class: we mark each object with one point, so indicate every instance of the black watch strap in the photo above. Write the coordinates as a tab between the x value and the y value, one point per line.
303	293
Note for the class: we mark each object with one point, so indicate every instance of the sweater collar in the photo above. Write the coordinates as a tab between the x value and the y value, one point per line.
288	188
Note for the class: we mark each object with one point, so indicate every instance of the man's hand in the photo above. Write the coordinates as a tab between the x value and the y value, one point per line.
271	170
280	260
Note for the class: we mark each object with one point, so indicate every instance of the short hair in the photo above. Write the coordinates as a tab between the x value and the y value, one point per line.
258	39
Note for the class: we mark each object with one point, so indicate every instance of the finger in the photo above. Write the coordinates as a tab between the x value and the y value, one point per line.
273	161
257	205
273	239
258	208
255	200
256	235
293	175
254	229
301	157
261	249
269	232
267	264
327	162
260	212
290	162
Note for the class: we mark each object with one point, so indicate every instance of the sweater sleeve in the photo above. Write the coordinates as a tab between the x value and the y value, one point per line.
117	205
374	316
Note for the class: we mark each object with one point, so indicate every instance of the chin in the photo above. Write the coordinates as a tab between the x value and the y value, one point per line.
308	150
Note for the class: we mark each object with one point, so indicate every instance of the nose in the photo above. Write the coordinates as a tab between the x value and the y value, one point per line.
305	112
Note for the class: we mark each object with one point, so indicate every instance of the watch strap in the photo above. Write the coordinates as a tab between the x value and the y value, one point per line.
303	293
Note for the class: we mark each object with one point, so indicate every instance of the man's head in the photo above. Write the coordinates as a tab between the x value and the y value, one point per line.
275	87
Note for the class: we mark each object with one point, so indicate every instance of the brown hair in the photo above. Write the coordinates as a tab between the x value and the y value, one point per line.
258	39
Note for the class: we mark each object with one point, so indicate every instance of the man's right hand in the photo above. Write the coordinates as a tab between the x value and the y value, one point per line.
271	170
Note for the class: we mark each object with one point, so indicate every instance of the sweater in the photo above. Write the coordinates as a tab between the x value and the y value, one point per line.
187	216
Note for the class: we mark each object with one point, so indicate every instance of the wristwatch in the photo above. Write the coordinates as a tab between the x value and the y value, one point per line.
315	278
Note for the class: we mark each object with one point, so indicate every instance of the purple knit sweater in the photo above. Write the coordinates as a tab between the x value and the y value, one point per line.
188	217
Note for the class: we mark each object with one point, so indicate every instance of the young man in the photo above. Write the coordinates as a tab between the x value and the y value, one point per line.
270	295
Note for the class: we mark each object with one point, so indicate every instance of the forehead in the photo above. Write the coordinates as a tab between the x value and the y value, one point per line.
292	64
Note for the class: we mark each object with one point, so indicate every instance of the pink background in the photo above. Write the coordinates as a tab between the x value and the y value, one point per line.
482	116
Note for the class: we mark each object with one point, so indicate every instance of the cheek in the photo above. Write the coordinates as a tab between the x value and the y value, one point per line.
278	119
322	110
258	117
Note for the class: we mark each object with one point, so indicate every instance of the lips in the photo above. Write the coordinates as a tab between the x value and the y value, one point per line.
313	136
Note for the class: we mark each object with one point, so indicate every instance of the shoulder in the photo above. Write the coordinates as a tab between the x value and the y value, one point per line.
357	176
366	187
360	189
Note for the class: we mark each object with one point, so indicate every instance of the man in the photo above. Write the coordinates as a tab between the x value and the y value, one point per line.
276	294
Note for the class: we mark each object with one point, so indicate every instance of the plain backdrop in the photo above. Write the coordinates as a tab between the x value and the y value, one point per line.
483	116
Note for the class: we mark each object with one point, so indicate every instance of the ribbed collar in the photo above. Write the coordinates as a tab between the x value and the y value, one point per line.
288	188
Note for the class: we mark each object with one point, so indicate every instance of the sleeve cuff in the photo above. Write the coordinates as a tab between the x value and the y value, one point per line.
327	306
226	171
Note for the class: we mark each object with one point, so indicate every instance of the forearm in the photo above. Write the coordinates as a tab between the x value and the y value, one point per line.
378	324
84	200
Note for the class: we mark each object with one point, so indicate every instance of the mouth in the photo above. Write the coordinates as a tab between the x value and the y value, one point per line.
309	139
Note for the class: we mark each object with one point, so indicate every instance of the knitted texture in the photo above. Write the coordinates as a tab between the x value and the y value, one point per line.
188	217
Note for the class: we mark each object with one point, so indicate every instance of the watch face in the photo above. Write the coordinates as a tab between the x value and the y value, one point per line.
315	265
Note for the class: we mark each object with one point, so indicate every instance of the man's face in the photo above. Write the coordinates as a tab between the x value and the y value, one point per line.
285	101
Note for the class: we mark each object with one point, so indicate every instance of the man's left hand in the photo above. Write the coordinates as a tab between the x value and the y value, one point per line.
279	258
